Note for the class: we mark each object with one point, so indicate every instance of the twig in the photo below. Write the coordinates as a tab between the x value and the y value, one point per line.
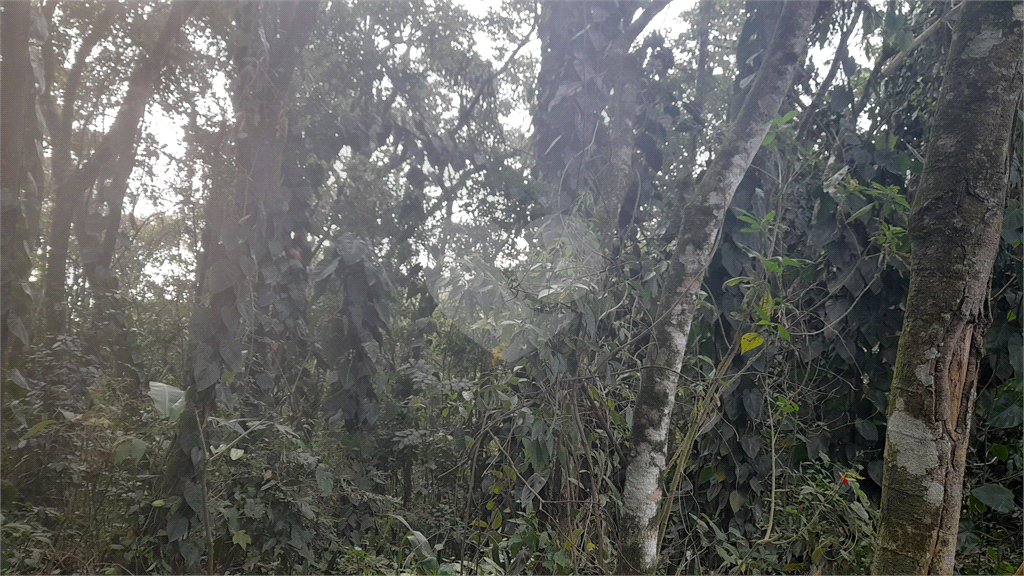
771	510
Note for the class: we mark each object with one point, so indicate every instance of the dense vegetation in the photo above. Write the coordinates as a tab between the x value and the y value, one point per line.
370	287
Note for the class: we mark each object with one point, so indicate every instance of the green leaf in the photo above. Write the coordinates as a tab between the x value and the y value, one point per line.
995	497
189	551
17	327
223	275
736	501
241	538
999	451
17	378
231	352
236	453
867	429
860	212
206	373
420	544
194	496
1008	418
38	429
786	405
725	554
738	280
324	479
133	448
783	333
177	527
859	510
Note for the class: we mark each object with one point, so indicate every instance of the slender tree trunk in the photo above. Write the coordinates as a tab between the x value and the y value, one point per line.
701	224
97	237
954	234
117	142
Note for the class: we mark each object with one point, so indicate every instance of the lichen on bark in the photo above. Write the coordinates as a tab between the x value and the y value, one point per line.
953	243
701	225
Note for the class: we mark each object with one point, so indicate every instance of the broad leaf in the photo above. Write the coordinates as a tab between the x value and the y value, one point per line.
995	497
133	448
168	400
177	527
749	341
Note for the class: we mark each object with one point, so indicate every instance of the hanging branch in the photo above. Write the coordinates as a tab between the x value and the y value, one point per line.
885	66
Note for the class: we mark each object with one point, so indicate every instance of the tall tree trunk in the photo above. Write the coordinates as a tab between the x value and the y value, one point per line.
240	244
272	185
570	138
117	142
695	244
17	102
955	233
587	72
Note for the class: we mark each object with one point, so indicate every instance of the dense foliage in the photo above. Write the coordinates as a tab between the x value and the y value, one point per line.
328	304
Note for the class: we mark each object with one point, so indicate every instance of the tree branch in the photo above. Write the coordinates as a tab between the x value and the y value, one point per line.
637	26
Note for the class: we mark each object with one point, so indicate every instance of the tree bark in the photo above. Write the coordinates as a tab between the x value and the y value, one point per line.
955	234
695	244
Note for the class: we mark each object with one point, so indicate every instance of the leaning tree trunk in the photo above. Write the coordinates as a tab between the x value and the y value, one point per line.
954	234
701	224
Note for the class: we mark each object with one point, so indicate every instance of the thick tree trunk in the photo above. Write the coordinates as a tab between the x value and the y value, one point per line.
241	243
588	72
16	100
955	234
570	138
701	223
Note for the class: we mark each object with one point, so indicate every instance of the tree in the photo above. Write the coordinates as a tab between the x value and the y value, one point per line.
954	242
242	248
20	190
116	147
702	220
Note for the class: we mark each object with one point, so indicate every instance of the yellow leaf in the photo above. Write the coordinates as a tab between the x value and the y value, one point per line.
749	341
